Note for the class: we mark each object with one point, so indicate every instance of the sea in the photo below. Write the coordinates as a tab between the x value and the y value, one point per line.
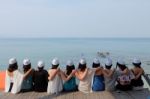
65	49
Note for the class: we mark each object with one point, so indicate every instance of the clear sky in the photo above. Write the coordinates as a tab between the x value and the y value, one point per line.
74	18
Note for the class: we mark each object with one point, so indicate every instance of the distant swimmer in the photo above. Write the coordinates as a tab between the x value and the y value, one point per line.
103	54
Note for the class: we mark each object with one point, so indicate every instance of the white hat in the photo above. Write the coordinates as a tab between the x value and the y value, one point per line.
136	61
41	64
12	61
121	62
82	61
108	62
70	63
55	61
26	62
96	61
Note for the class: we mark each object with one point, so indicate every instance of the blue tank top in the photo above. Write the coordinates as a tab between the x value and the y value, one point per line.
70	85
98	83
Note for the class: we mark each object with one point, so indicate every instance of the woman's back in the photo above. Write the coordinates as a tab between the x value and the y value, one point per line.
137	70
98	81
54	85
14	78
138	81
40	80
86	84
27	84
70	85
99	72
110	81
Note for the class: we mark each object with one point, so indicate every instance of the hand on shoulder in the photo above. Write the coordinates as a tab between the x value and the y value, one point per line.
73	72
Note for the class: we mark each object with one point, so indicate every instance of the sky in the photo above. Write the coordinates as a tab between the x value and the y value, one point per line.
74	18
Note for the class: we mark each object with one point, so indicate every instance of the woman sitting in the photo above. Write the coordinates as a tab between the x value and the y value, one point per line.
55	84
69	77
125	77
98	80
40	78
137	82
27	84
110	76
85	76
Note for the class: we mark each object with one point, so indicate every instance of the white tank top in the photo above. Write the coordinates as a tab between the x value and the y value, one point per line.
55	85
86	84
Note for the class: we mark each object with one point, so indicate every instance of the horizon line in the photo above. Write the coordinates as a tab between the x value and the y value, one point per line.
63	37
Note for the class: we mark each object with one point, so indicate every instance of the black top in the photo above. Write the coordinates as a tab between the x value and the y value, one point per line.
40	79
137	82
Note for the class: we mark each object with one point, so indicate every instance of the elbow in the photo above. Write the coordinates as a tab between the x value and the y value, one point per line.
81	79
65	80
49	78
24	77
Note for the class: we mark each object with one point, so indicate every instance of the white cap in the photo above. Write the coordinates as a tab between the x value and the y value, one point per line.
55	61
96	61
136	61
70	63
12	61
121	62
41	64
82	61
108	62
26	62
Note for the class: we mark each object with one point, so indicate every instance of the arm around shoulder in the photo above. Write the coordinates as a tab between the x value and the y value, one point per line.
52	74
81	76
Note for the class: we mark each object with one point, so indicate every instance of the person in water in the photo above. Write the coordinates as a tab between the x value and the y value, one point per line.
14	78
55	84
110	76
98	80
124	77
69	77
27	84
85	76
40	78
137	82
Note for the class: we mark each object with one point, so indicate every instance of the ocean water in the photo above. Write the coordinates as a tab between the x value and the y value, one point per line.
74	48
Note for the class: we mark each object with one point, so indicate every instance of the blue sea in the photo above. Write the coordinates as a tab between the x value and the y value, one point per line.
74	48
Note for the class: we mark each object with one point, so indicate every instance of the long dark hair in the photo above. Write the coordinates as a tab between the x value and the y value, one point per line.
108	67
54	66
82	67
96	65
137	65
69	69
12	67
122	67
26	68
40	68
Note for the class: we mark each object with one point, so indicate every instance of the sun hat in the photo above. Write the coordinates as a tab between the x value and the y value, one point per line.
41	64
82	61
136	61
70	63
108	62
96	61
55	61
121	61
12	61
26	62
